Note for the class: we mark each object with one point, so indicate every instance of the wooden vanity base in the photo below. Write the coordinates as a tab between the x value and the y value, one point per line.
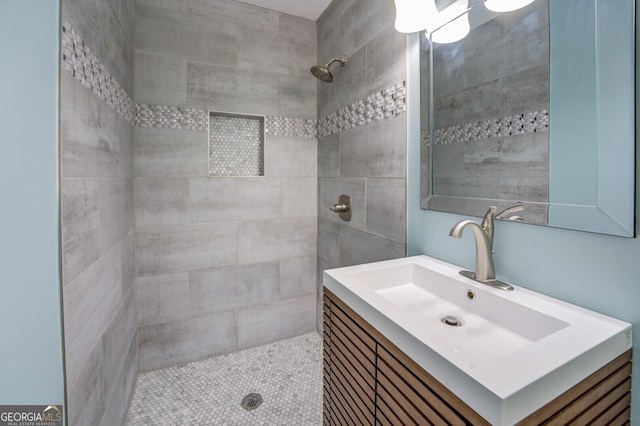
369	381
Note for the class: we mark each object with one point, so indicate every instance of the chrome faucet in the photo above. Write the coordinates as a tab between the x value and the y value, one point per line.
483	233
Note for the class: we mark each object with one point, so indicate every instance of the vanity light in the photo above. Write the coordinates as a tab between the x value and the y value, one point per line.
506	5
417	15
411	15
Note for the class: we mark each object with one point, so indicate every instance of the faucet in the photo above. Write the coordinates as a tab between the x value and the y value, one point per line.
483	233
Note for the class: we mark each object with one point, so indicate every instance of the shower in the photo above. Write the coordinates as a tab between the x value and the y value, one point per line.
323	73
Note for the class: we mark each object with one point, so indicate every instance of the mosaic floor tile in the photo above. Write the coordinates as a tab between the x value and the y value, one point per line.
287	374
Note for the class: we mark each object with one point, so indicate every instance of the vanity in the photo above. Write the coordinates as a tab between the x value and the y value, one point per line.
411	341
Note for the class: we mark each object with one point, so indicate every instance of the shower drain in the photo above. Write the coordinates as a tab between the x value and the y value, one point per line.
251	401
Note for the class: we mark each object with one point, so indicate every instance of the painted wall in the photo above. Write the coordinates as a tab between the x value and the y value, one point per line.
366	161
223	263
31	368
96	150
598	272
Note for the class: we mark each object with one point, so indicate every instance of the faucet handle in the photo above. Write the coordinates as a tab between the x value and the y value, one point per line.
504	214
487	219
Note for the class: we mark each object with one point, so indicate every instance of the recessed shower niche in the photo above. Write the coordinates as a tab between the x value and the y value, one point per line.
236	144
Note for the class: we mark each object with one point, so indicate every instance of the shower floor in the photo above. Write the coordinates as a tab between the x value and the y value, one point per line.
287	374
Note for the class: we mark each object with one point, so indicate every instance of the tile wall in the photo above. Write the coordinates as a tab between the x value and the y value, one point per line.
366	161
98	209
223	263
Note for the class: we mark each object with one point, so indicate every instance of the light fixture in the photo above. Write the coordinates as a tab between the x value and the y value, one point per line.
506	5
450	25
411	15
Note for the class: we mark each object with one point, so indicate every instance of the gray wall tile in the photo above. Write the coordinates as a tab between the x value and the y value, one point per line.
160	79
299	197
298	27
386	206
229	198
161	201
275	239
91	303
363	20
359	247
174	5
328	244
233	287
220	88
268	323
329	156
86	396
117	404
159	29
386	59
295	92
367	151
115	50
116	210
117	341
80	225
162	298
297	276
290	156
182	248
177	342
169	152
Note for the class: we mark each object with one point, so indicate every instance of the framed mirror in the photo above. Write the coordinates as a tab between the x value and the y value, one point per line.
534	106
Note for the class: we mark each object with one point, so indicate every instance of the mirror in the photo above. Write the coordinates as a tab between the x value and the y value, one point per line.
534	106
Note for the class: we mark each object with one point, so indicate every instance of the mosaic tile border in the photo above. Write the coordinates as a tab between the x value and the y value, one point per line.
170	117
519	124
84	66
386	103
196	119
287	126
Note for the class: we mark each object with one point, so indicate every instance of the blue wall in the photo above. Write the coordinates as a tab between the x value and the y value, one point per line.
31	367
598	272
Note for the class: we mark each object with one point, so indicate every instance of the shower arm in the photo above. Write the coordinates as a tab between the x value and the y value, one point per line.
342	61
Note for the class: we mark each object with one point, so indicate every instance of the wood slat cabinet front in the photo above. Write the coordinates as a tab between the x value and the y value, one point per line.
369	381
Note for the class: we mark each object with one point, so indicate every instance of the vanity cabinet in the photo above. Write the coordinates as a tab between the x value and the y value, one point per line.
369	381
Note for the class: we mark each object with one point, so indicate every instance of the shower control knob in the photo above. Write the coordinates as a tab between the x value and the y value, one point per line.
339	208
342	207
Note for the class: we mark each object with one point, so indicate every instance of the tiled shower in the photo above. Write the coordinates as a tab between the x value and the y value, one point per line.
163	263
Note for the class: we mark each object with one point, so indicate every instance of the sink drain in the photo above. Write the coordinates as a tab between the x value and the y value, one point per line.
451	320
251	401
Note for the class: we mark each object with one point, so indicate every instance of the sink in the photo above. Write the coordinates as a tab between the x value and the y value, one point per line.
505	354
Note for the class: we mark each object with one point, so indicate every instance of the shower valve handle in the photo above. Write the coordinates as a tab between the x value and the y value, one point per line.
342	207
339	208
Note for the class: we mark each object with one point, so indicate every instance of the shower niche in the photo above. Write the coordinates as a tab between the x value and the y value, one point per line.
236	144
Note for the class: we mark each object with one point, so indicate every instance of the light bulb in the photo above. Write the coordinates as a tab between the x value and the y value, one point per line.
411	15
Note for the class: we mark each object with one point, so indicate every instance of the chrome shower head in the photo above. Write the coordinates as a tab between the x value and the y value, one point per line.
323	72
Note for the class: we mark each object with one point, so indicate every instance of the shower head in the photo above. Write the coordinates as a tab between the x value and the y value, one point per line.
323	72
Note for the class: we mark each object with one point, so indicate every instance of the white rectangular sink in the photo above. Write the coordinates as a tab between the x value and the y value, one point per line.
505	353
